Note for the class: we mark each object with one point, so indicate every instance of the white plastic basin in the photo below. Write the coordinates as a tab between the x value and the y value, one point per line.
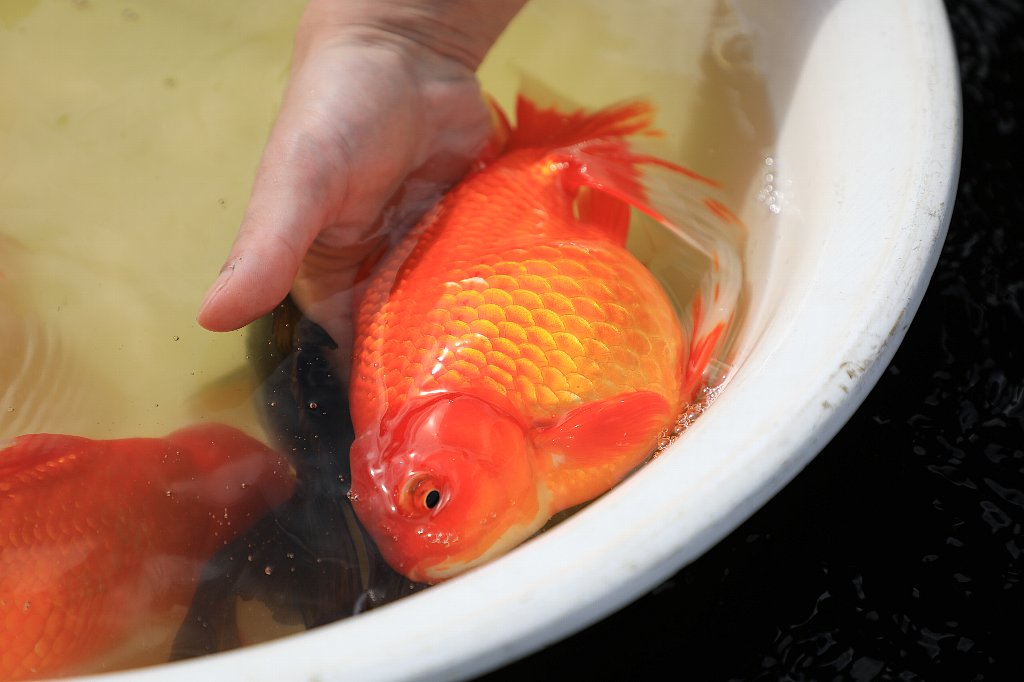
866	96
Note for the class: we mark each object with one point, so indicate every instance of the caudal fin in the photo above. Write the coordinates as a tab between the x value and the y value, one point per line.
609	178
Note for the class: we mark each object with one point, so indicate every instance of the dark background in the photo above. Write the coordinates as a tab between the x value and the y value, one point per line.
897	553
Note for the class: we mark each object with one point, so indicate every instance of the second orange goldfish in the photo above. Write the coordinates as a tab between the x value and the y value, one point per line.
100	540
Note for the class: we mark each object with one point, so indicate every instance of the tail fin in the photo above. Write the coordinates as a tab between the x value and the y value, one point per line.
690	210
33	455
706	335
609	178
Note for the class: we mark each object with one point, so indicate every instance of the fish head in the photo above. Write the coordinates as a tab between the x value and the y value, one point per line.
232	475
446	485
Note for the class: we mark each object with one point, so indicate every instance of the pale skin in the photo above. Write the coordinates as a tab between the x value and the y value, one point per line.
382	111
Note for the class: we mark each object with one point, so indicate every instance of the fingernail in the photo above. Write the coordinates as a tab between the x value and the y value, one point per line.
219	283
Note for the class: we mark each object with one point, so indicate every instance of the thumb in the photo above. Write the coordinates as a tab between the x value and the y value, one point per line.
286	212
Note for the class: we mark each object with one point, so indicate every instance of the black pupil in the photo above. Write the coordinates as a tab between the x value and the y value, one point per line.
433	497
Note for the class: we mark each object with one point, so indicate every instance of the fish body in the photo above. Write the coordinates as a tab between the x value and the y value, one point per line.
512	358
99	539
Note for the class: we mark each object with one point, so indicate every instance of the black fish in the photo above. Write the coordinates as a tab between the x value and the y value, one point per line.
309	560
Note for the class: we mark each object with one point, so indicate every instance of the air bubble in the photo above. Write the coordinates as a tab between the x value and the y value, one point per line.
769	194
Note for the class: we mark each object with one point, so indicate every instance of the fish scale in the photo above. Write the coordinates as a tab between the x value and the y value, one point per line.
547	314
103	540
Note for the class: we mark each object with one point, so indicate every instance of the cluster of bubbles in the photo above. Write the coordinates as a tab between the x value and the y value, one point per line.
769	194
688	416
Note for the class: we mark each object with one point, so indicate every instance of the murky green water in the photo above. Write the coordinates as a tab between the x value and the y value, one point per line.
129	133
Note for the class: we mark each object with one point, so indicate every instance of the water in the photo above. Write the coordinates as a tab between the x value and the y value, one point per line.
130	132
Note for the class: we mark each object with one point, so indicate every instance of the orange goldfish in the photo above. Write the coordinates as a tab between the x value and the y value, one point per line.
101	539
512	358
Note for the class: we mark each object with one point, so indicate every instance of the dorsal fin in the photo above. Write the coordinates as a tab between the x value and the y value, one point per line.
35	451
549	128
602	134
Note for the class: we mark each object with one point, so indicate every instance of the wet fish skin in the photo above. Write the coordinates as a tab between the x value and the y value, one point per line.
100	540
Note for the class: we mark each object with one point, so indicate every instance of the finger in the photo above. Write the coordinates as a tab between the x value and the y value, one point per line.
304	182
293	189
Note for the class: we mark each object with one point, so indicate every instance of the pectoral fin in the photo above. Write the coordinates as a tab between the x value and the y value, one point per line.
594	446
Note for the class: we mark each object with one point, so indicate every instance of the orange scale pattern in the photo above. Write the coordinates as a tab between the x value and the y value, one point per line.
541	308
103	539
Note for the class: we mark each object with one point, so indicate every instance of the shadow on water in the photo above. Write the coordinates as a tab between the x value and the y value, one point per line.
308	561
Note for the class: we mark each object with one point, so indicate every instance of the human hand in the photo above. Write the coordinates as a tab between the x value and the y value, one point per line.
382	96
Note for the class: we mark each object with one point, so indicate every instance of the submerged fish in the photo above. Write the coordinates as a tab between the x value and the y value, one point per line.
100	540
307	561
512	358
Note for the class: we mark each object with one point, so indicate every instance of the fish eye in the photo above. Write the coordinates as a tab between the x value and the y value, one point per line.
432	499
422	494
